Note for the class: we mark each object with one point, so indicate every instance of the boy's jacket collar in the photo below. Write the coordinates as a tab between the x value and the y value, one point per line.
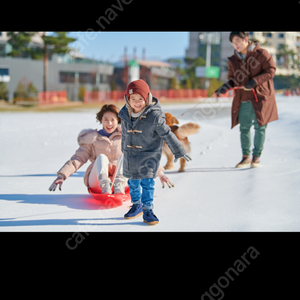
123	114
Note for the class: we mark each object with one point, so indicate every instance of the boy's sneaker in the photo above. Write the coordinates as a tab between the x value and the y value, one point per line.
149	217
134	211
255	162
245	162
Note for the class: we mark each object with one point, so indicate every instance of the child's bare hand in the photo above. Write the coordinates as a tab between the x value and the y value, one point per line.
165	179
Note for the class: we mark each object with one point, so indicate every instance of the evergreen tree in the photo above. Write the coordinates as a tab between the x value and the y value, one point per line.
188	83
25	90
213	85
57	43
20	43
31	91
173	83
113	85
289	60
3	91
54	44
81	92
20	91
190	71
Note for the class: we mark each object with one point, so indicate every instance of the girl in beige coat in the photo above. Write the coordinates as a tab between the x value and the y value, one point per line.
103	149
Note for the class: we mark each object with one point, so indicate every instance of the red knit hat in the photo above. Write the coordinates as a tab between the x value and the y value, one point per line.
138	87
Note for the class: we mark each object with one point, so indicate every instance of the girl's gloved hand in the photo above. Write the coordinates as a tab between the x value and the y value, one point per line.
165	179
57	182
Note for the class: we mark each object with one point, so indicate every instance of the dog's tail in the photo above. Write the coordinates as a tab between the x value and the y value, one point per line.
188	129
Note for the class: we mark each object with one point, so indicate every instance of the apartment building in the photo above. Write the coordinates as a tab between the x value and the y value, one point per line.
271	41
276	38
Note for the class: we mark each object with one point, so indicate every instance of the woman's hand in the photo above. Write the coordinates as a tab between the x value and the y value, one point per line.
57	182
165	179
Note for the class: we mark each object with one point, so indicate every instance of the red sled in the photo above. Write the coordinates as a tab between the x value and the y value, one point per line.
111	200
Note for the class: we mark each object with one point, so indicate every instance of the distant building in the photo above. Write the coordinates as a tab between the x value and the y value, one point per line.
219	51
157	74
65	72
271	41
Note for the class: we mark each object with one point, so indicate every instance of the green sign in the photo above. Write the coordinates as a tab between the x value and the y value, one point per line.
133	63
212	72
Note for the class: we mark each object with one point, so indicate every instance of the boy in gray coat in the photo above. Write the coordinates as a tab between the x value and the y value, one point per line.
143	131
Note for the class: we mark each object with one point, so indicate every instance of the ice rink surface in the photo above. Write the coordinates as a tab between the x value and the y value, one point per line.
210	196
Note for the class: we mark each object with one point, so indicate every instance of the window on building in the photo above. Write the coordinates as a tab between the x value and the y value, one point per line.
2	50
280	35
279	59
67	77
103	78
4	72
268	34
87	78
4	75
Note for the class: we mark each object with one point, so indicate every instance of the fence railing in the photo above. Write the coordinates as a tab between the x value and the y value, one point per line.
60	97
52	97
102	96
163	95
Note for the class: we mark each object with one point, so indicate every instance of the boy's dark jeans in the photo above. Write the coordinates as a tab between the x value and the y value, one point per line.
246	117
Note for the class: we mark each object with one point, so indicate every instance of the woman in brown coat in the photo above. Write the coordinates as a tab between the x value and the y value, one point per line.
252	68
103	149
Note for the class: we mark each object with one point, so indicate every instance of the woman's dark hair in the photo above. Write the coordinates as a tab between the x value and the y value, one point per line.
107	107
241	34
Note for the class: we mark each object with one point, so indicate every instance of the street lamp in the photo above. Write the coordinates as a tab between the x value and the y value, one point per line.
209	38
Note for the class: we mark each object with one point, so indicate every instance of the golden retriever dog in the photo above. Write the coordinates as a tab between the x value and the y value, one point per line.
182	133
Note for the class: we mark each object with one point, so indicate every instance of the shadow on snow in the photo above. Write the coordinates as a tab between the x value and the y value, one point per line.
77	174
208	169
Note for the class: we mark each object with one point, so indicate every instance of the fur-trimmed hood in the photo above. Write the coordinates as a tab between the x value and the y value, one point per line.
251	46
149	101
125	113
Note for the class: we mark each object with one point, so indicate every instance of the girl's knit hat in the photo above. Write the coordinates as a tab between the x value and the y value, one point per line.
138	87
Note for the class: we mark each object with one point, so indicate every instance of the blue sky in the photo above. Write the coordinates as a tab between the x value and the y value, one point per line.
109	46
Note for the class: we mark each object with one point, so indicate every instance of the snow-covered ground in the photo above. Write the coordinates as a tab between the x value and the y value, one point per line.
210	196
